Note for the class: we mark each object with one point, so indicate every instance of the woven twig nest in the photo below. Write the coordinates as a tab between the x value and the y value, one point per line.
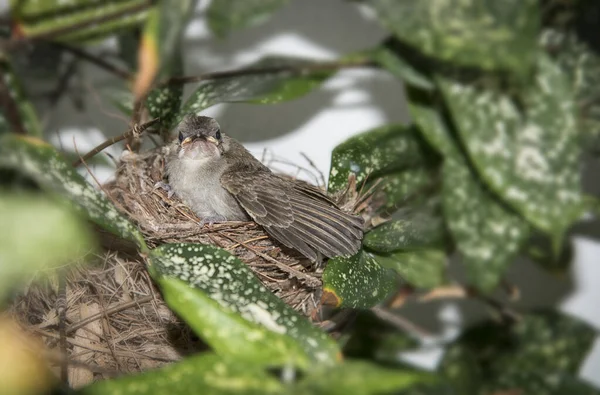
116	320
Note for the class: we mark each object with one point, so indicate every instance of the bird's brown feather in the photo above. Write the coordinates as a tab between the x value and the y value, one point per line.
298	215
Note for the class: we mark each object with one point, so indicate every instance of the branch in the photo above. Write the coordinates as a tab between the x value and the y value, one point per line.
306	69
11	110
135	130
96	60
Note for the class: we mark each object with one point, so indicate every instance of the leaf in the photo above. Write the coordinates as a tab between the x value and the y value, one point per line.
487	234
540	354
399	68
25	111
532	163
416	230
396	189
94	20
541	251
421	269
224	16
485	34
382	150
358	377
160	41
120	97
284	78
223	289
206	373
40	162
358	281
30	240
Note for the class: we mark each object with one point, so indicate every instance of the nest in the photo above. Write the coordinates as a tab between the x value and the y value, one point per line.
116	321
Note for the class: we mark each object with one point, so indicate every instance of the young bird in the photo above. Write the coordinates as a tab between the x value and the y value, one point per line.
221	181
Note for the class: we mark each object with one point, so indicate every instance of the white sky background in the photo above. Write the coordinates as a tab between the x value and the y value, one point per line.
349	103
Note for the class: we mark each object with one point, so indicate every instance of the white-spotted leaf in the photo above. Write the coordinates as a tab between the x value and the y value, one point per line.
531	162
488	34
541	354
422	268
270	80
487	233
220	288
374	153
357	281
43	164
206	373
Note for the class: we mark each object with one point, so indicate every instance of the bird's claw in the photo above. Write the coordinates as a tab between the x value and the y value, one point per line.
166	187
212	219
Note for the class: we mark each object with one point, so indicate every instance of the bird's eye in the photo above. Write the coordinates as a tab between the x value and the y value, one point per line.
180	137
218	135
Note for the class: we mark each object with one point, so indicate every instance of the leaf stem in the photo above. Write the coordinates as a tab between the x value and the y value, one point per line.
135	130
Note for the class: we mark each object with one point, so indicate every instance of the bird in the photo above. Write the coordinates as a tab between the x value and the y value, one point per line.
219	180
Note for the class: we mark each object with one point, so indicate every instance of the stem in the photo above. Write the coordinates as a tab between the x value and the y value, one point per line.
101	63
135	130
306	69
11	110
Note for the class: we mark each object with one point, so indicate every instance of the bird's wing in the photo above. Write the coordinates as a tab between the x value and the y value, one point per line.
295	213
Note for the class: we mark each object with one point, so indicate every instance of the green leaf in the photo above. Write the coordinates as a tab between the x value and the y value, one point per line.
485	34
160	42
487	234
224	16
399	68
540	354
26	112
284	78
421	269
120	97
206	373
40	162
357	377
541	251
94	20
31	240
382	150
223	290
357	281
532	163
417	230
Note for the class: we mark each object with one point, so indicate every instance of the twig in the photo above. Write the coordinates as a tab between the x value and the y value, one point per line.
137	129
319	172
310	280
107	312
96	60
61	313
400	322
305	69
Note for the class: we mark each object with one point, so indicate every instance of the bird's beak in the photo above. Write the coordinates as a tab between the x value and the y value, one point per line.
186	141
213	140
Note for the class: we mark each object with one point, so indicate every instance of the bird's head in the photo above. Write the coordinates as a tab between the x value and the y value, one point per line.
199	138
